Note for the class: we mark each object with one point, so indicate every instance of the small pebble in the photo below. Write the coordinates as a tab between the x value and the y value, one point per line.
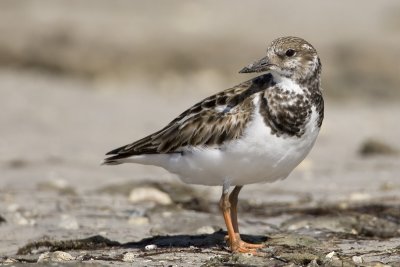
57	256
330	255
9	260
21	220
313	263
359	196
149	194
357	259
60	256
138	220
150	247
207	229
44	257
128	257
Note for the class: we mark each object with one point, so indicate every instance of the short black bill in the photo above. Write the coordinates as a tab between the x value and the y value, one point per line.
258	66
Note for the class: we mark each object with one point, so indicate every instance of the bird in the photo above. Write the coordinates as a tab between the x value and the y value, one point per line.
255	132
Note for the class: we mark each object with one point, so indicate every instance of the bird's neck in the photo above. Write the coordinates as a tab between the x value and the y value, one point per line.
312	81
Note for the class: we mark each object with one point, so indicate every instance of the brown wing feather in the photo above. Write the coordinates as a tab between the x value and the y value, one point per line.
211	122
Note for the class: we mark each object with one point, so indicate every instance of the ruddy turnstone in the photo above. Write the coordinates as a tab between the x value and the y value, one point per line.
255	132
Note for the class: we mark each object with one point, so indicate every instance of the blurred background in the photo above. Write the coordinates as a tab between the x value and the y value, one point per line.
79	78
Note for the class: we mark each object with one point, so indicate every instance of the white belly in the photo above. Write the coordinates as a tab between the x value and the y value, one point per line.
257	157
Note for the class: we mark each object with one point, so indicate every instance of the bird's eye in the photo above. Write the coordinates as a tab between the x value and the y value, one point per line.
290	52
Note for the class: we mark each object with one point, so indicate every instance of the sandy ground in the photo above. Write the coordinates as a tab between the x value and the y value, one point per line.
337	208
79	78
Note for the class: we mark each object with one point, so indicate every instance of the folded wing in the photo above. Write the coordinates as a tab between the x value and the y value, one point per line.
211	122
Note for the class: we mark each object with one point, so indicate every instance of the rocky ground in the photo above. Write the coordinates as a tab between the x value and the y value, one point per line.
340	207
79	78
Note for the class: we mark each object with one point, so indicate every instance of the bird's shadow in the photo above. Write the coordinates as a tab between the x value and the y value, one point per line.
216	239
185	241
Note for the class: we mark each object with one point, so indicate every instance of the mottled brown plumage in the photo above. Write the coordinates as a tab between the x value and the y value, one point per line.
257	131
222	117
217	119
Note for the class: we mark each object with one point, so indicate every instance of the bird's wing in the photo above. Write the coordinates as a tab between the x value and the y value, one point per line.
211	122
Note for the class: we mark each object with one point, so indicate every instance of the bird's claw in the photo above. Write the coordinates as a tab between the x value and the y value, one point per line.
239	246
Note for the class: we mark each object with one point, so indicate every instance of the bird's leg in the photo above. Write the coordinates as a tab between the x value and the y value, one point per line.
233	199
235	243
225	207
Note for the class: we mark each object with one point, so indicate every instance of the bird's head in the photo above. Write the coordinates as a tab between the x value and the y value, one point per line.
290	57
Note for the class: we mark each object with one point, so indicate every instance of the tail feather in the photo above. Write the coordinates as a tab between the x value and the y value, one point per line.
116	151
113	160
115	156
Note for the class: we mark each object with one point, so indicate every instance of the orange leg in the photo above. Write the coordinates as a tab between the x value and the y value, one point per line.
233	199
228	205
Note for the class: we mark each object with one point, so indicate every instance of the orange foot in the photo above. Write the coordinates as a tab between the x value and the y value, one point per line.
243	247
238	245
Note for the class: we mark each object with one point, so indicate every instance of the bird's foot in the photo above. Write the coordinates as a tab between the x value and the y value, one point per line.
238	245
251	245
244	247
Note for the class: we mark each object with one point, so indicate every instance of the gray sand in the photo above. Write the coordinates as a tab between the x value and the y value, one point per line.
52	187
80	78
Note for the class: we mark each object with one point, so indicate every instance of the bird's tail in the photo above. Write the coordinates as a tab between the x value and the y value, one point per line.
114	160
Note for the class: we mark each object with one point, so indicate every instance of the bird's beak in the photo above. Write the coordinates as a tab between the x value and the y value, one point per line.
258	66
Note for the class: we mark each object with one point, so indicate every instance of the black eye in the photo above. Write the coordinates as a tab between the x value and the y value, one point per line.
290	52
